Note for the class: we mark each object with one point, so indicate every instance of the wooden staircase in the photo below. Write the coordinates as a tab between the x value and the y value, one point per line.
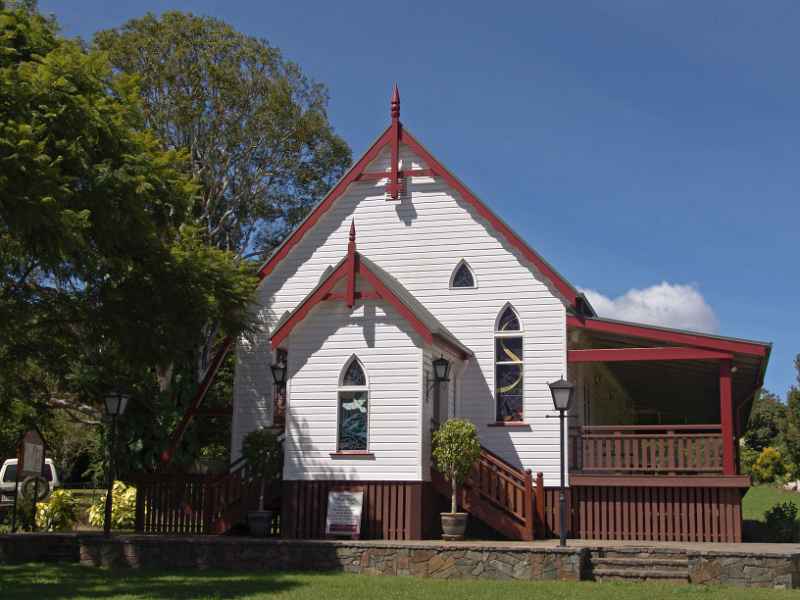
200	504
496	493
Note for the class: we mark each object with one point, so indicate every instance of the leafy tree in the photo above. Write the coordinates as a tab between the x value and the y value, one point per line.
456	448
767	422
254	126
255	130
105	278
793	418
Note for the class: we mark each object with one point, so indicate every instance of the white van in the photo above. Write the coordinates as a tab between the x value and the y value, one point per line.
8	474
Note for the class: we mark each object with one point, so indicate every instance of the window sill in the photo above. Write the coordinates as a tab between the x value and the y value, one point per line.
508	424
361	453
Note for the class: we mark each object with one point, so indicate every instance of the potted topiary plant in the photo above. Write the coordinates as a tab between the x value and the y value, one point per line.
263	455
456	448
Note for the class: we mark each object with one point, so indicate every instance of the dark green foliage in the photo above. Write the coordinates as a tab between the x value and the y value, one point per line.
254	126
106	280
263	453
456	448
781	521
767	422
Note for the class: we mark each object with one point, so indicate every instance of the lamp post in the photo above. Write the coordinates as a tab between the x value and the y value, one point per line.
441	370
115	404
562	392
278	369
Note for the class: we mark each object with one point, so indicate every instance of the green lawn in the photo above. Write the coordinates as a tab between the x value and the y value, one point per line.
759	499
71	581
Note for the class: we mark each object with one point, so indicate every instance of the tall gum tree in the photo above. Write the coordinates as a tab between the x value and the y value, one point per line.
255	127
106	278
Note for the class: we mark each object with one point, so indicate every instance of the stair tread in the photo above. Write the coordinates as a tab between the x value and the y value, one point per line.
640	573
630	561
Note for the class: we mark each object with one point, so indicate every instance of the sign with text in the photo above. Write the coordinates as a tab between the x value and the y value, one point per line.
344	514
32	454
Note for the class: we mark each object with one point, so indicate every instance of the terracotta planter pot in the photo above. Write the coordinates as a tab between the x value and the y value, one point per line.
260	522
453	526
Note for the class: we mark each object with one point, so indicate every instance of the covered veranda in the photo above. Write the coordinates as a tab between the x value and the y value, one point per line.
659	402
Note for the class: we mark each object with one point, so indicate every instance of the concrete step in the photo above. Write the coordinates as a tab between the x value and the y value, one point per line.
666	564
630	574
643	553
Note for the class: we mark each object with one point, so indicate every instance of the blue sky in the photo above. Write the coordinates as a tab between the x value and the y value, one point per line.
648	149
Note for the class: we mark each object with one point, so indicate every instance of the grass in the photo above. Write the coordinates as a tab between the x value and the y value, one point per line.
759	499
72	581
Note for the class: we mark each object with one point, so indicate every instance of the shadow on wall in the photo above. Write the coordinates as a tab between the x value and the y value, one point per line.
473	384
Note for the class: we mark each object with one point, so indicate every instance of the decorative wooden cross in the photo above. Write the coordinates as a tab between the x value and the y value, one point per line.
394	176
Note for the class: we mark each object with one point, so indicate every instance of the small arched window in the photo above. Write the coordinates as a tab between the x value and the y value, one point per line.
353	408
462	276
508	366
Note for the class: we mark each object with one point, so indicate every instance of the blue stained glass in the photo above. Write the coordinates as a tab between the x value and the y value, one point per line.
508	320
463	277
353	419
354	375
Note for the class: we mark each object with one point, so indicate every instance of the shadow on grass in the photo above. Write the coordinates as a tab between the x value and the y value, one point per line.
43	582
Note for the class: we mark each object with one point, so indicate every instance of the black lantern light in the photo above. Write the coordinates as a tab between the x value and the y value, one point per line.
278	373
562	392
115	403
441	369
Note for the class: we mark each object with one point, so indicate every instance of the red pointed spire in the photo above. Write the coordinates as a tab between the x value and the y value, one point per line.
351	247
395	103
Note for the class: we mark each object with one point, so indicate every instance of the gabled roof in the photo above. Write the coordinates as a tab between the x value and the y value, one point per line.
395	134
385	287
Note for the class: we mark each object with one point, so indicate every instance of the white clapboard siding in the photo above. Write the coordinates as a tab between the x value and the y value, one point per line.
420	240
318	350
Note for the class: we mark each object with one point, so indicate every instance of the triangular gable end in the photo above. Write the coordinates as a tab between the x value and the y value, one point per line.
353	266
392	137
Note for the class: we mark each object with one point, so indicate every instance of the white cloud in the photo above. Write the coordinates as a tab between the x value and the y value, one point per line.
665	304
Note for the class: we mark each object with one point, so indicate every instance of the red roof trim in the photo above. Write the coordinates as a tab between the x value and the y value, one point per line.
327	202
639	354
566	290
663	335
283	331
404	311
355	174
301	311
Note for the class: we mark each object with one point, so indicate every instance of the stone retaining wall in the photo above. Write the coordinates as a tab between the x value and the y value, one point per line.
465	560
462	561
745	569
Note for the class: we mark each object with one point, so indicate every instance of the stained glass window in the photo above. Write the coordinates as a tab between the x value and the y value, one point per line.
508	320
353	408
354	375
508	367
462	278
353	420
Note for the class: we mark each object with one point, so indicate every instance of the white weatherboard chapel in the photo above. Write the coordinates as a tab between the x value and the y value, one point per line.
499	321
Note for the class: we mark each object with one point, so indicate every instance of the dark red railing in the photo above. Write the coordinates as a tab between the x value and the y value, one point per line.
200	504
499	494
647	449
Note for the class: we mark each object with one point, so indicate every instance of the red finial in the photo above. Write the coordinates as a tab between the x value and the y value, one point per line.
351	247
395	103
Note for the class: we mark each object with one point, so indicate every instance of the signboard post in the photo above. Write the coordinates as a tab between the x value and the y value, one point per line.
30	463
344	514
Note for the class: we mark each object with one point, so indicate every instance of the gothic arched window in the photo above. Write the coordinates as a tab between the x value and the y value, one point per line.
462	276
508	369
353	417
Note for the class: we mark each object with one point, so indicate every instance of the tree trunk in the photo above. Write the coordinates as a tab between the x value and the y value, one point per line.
454	502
